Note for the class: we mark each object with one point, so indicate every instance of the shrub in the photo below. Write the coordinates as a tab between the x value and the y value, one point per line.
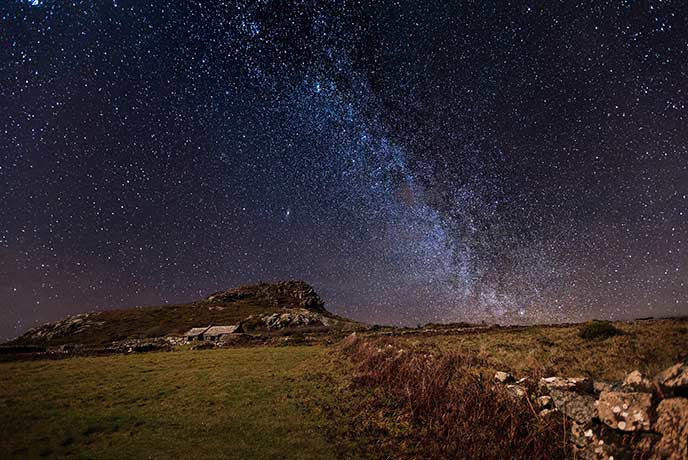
596	329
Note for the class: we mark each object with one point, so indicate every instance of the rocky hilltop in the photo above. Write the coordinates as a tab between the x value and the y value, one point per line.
261	309
286	294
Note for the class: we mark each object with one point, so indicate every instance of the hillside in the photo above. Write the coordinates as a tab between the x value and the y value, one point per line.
260	308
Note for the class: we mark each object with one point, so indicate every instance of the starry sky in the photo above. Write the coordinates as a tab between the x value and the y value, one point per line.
415	161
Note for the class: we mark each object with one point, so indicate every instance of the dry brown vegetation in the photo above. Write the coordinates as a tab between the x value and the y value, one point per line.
439	406
648	346
421	394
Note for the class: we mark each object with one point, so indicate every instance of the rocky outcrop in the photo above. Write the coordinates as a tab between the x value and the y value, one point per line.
285	294
588	445
70	326
294	318
139	346
603	385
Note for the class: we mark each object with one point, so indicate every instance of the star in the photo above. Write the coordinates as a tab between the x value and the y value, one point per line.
520	164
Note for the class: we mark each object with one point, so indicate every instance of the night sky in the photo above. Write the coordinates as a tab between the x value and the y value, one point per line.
415	161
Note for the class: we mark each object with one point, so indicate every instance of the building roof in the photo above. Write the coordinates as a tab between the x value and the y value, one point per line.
220	330
196	331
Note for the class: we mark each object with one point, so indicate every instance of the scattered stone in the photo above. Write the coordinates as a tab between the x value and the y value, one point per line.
546	412
601	385
577	434
517	390
138	346
636	381
579	407
503	377
174	340
674	380
672	424
588	445
625	411
578	384
544	402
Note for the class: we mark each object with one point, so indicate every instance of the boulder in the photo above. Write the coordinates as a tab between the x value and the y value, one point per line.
672	424
579	407
572	396
636	381
674	380
625	411
503	377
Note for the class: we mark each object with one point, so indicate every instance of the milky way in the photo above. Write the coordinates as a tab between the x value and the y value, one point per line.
414	161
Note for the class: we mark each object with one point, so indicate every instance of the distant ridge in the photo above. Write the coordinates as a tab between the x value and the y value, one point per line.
260	308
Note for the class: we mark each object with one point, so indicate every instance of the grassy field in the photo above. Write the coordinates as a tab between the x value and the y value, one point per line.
315	402
649	346
216	404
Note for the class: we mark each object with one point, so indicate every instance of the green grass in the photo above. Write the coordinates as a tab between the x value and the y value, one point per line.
215	404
